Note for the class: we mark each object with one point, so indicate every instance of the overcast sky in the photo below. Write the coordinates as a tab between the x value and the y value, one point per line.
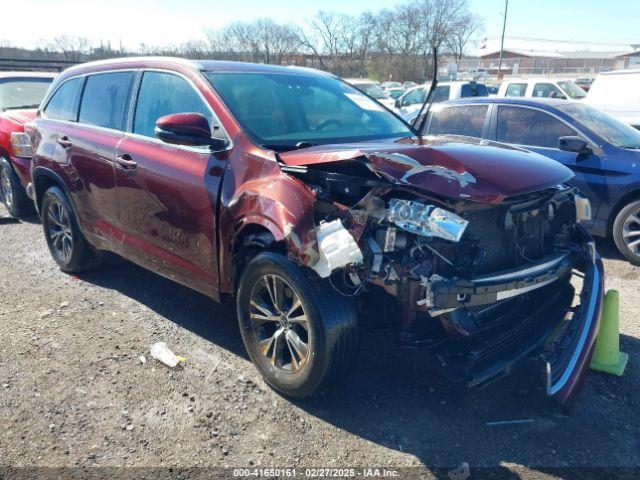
165	22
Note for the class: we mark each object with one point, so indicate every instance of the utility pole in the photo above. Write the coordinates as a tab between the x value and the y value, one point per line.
504	27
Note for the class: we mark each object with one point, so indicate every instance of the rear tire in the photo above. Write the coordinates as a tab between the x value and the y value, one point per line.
315	345
11	192
67	245
626	232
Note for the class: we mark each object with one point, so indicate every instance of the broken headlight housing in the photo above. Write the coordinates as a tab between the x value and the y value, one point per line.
21	145
583	208
426	220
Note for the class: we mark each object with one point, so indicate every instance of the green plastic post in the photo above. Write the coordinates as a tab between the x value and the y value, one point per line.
607	356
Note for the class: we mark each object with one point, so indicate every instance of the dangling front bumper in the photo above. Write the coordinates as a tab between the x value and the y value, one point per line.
569	353
529	311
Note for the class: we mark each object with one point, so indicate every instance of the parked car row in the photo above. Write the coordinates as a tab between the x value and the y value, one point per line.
603	152
412	100
541	87
323	214
616	92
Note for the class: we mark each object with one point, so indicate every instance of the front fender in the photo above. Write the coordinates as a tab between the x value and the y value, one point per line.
275	201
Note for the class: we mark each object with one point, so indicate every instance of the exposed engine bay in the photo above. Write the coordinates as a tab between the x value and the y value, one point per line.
435	269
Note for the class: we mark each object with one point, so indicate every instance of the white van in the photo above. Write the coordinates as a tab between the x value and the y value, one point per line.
413	99
541	87
618	94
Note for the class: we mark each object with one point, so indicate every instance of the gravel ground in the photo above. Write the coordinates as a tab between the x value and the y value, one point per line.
73	391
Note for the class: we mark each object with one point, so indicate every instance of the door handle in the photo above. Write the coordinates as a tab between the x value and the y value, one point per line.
64	142
125	162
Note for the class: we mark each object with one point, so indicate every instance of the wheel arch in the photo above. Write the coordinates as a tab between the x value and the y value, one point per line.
43	179
275	210
252	238
619	205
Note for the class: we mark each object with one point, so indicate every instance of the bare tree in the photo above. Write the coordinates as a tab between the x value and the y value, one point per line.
390	43
72	48
466	27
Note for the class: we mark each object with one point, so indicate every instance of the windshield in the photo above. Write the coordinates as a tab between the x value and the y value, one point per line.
373	90
612	130
572	89
280	111
23	92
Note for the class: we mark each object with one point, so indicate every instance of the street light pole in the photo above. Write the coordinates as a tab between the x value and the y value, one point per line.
504	27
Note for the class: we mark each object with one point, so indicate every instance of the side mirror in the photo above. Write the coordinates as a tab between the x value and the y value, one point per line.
575	144
397	103
190	129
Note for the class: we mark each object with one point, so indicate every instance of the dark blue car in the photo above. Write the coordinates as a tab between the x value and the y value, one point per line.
603	152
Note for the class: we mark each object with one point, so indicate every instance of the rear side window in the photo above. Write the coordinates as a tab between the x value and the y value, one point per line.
463	120
64	102
547	90
516	90
164	94
474	90
105	100
525	126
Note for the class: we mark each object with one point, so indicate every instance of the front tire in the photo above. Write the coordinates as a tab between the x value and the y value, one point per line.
299	334
626	232
11	192
67	245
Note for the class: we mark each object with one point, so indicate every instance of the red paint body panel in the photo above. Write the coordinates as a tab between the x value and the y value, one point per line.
256	192
166	214
485	174
14	121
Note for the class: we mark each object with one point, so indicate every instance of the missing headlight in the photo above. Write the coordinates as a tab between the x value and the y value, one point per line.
426	220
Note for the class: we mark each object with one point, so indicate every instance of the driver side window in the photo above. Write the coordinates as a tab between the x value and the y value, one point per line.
414	97
529	127
164	94
546	90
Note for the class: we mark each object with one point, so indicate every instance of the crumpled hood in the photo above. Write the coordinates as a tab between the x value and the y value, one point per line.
484	172
20	117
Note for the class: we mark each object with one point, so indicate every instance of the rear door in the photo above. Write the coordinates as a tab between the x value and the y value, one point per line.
168	193
539	131
56	120
80	127
467	120
100	127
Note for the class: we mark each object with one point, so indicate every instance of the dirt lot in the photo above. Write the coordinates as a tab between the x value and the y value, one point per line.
73	391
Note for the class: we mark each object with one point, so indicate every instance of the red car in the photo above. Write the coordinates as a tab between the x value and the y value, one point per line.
20	95
323	214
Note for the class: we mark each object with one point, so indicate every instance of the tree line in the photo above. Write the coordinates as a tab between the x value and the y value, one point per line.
392	43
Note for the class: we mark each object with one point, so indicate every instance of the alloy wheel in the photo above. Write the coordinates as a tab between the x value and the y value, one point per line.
279	323
631	232
5	186
59	230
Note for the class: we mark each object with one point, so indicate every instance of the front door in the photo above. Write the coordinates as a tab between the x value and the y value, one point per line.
168	193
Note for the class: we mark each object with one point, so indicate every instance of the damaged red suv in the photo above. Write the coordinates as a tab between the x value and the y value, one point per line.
323	214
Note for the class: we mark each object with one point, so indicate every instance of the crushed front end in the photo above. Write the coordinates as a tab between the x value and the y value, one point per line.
482	286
